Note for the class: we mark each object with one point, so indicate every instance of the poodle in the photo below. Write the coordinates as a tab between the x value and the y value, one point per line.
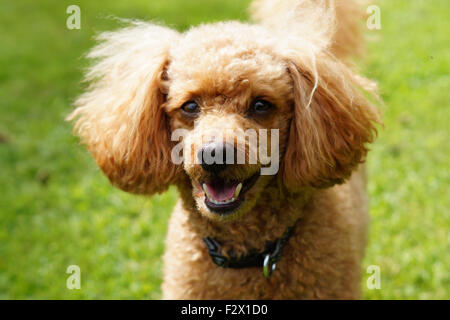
297	231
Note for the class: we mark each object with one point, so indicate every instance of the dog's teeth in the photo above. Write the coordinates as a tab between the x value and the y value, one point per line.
205	188
211	199
221	202
238	189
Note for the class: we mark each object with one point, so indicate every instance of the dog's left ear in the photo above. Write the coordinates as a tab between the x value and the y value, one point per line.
332	123
121	116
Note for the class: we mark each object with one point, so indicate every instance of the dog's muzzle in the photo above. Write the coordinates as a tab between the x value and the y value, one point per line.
215	156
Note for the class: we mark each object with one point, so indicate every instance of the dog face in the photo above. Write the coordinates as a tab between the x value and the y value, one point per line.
225	91
217	83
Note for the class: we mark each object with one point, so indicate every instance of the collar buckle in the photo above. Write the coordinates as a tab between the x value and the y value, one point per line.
269	266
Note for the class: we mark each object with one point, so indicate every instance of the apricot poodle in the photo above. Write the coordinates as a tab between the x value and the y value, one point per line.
239	232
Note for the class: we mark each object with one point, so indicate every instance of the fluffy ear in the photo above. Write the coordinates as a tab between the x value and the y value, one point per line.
331	125
120	117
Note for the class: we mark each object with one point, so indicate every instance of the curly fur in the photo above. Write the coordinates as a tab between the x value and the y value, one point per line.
295	57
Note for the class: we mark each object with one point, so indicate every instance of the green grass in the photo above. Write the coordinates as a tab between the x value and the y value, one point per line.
57	209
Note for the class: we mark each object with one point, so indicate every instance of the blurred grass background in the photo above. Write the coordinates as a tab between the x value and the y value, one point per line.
57	209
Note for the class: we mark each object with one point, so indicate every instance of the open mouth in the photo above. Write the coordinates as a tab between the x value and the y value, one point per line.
224	197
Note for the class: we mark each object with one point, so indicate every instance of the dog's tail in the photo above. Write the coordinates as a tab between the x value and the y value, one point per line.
336	24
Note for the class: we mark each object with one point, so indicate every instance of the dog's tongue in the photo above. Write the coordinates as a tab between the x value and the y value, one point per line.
221	190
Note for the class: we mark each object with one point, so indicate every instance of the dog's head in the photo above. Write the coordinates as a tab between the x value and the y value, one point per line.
230	106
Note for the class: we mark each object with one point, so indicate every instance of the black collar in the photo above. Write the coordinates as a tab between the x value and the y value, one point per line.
267	259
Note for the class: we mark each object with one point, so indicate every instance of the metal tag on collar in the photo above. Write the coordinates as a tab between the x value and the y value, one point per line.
268	266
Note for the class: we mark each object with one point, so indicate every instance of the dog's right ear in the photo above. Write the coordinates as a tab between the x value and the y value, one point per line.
120	117
333	122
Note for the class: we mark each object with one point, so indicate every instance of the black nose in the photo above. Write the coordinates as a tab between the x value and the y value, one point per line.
213	156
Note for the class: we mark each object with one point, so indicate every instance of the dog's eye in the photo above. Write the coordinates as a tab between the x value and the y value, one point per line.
260	106
191	108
